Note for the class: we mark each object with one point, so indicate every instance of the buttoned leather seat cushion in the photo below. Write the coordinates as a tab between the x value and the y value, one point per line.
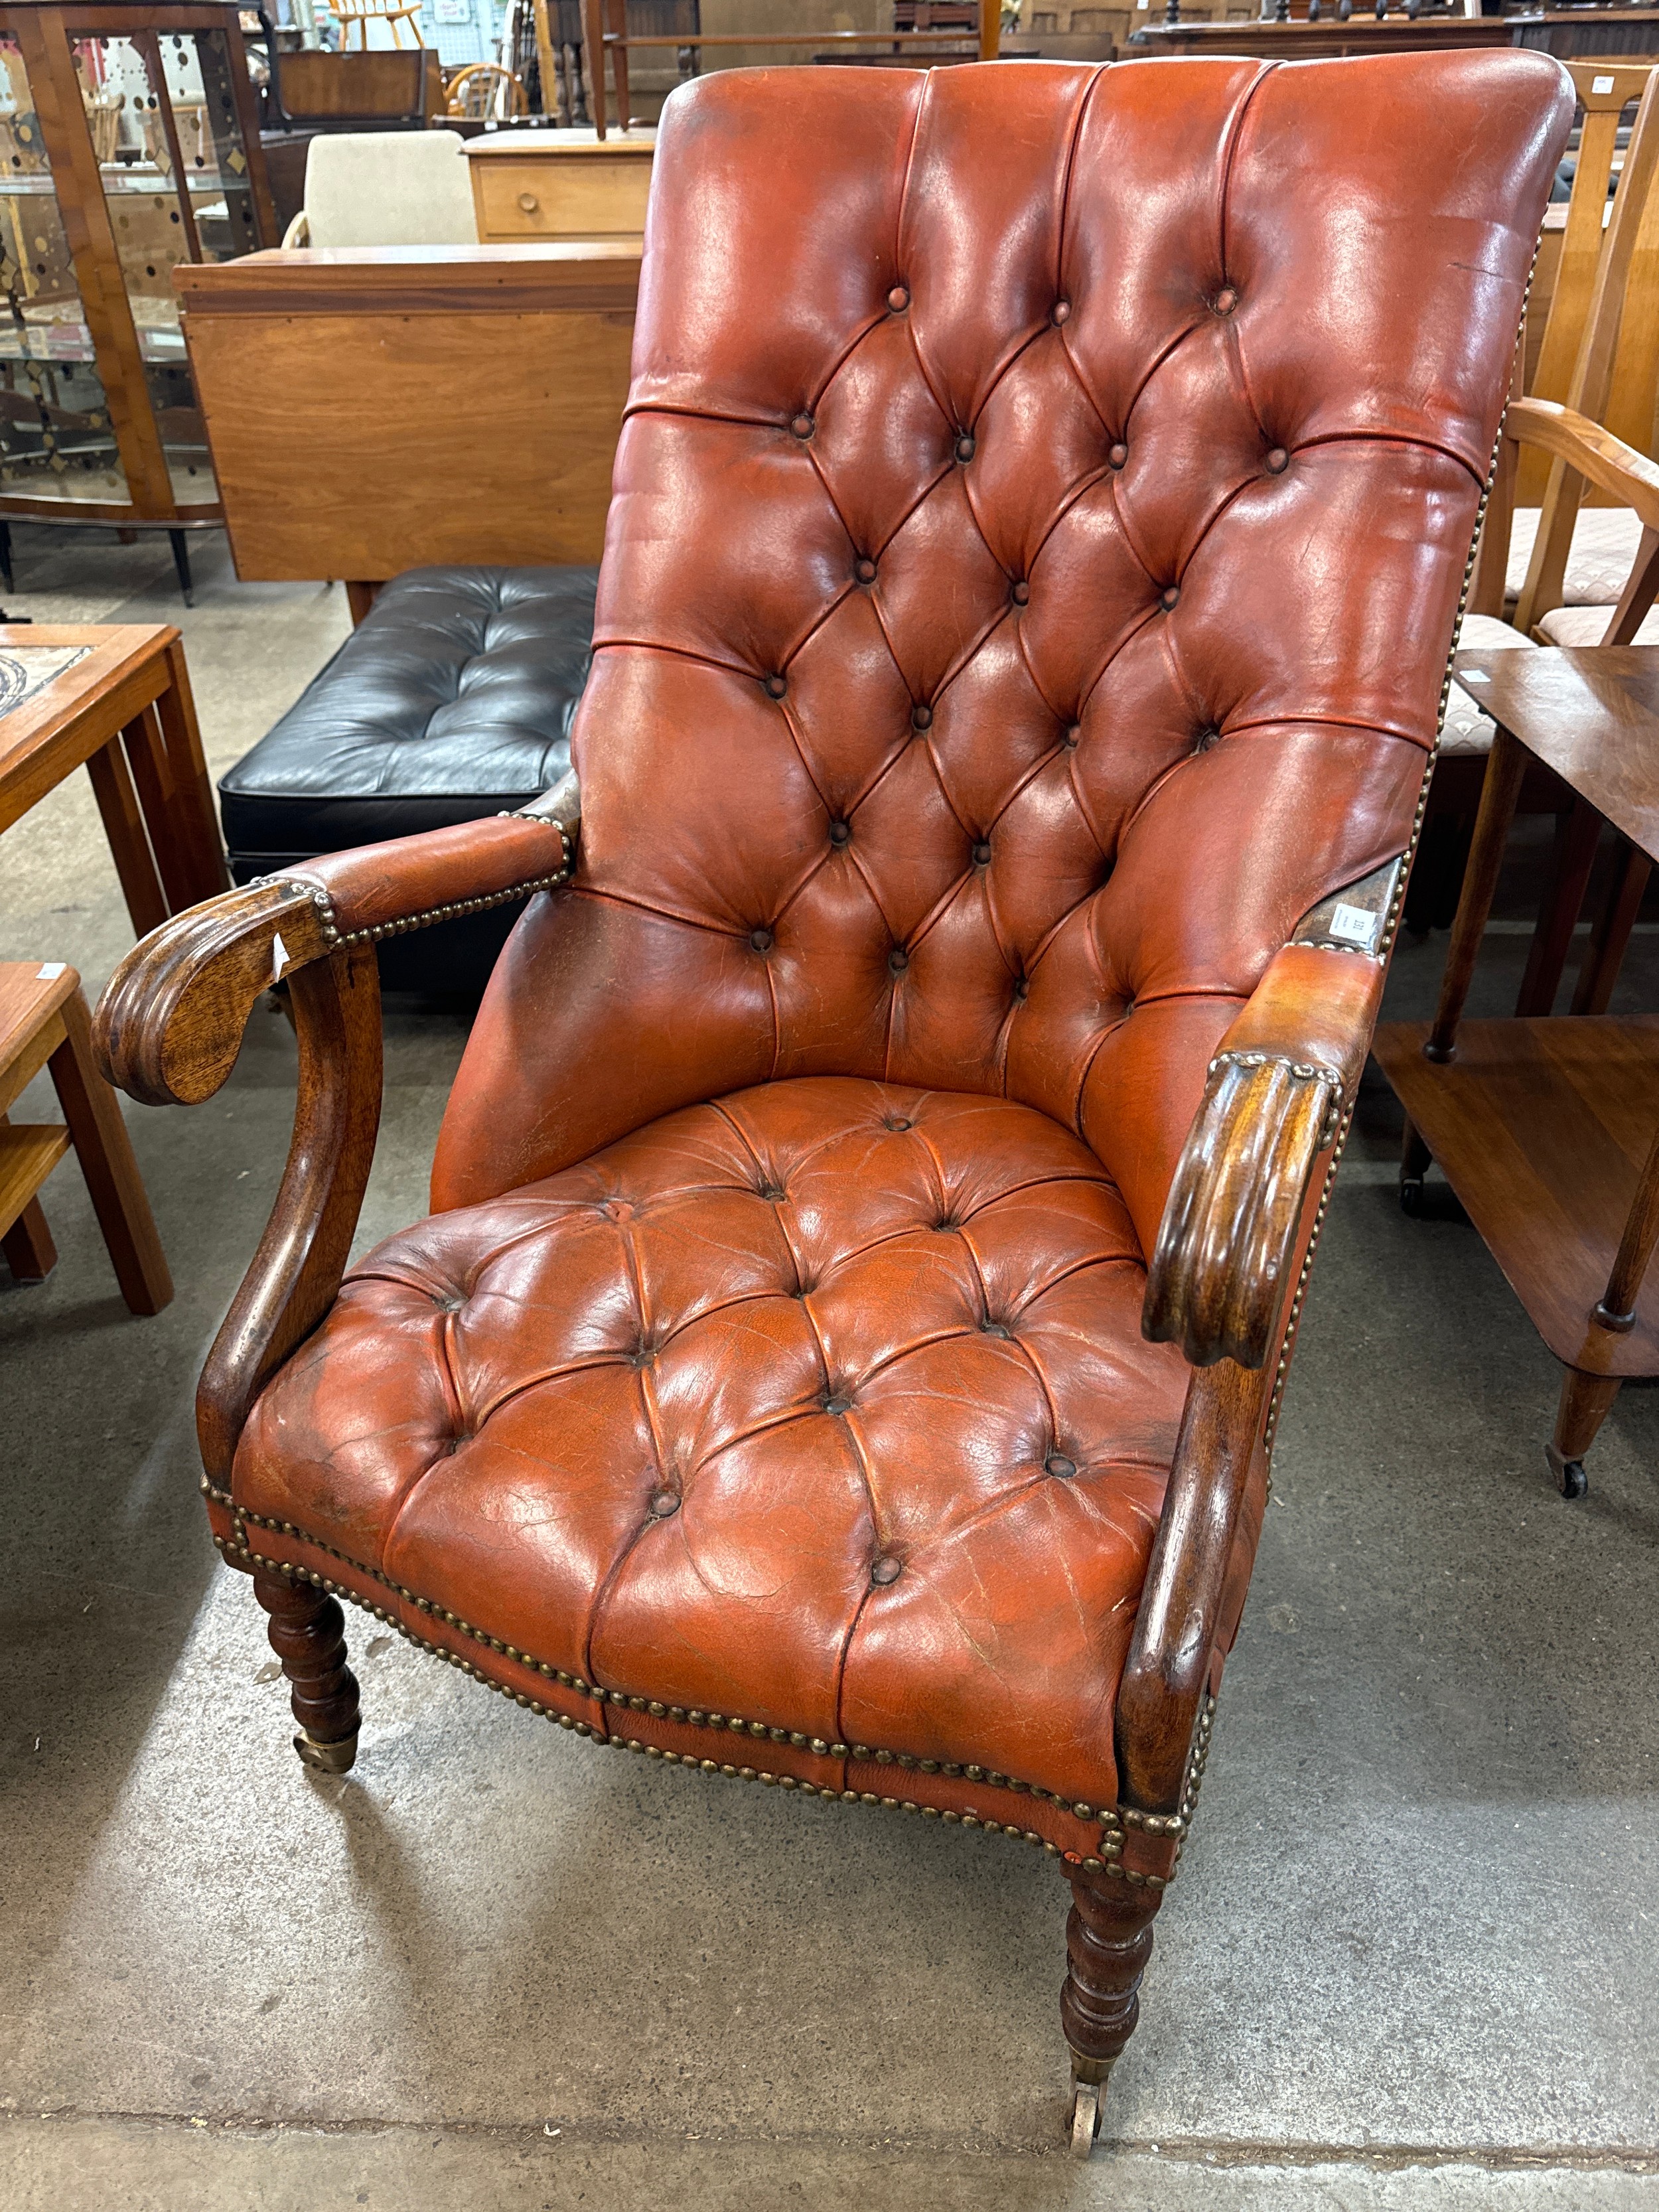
657	1419
453	699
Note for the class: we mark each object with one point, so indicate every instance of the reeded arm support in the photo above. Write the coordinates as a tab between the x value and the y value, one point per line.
1233	1229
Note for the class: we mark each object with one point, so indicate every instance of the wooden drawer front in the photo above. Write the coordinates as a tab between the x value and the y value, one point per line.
574	196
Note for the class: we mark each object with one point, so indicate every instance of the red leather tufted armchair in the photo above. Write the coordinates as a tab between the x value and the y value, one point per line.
871	1218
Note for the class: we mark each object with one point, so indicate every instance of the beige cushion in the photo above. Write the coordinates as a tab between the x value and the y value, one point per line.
390	188
1588	626
1604	542
1466	729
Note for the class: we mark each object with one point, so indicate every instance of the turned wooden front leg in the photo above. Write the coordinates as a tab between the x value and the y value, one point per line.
1108	1940
308	1634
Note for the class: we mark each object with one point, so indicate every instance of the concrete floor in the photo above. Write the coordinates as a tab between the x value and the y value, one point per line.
1411	1962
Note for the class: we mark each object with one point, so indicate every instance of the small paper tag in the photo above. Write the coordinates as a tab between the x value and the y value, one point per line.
51	971
1354	925
1473	675
279	955
1600	84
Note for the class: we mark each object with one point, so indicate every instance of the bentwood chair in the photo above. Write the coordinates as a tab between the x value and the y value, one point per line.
872	1213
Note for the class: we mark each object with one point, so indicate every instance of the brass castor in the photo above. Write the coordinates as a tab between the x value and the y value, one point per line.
1088	2102
327	1757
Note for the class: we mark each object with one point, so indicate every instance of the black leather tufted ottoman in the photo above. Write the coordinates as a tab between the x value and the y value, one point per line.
453	699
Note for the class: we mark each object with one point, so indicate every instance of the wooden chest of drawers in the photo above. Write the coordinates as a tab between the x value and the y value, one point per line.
545	185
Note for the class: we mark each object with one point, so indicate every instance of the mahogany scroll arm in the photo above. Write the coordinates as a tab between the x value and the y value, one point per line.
1235	1226
169	1026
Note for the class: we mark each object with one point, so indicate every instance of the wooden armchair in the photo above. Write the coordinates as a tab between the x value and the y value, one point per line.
1014	681
1545	559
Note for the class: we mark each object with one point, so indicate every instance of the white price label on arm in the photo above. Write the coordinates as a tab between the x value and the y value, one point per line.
1355	925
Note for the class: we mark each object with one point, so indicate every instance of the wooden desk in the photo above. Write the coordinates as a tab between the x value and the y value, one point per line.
1546	1126
561	184
123	707
373	409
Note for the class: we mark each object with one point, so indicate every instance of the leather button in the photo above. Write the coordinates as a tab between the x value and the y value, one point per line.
1061	311
803	426
898	960
993	1328
663	1503
1226	299
776	686
898	1121
1278	461
1205	738
1057	1464
886	1570
921	718
1170	598
761	939
1117	454
1022	989
1021	593
835	1404
773	1193
865	570
898	299
841	833
947	1221
449	1301
964	445
1071	738
982	855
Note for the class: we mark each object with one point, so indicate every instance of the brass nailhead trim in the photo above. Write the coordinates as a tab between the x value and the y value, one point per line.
245	1556
335	937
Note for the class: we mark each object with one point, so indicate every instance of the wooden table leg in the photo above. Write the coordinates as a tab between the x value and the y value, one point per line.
128	844
30	1253
593	54
104	1151
1605	950
1505	768
1586	1401
159	798
193	825
1551	940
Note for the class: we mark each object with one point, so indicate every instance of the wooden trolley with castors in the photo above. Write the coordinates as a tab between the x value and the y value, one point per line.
1546	1126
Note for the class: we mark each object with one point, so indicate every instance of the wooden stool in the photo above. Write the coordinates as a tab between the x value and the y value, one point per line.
44	1024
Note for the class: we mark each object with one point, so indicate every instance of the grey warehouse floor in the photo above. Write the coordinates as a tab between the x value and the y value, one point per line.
1412	1960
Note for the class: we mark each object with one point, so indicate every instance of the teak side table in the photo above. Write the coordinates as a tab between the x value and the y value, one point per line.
44	1023
121	703
1548	1127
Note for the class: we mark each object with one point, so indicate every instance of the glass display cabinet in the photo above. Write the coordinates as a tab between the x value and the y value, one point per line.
128	142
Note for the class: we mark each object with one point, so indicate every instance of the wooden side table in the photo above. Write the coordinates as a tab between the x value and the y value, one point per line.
117	697
44	1024
1546	1126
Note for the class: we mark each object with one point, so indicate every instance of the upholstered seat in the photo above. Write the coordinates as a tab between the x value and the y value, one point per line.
757	1404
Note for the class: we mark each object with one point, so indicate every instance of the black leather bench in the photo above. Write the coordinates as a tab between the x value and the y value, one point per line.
453	699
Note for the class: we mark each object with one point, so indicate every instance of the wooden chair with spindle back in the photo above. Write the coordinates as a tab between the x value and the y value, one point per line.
485	89
398	15
1544	551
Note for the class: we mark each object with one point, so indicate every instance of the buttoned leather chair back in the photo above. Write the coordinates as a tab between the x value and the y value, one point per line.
1038	528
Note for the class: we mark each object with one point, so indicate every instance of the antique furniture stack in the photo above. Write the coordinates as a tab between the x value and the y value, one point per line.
128	145
874	1209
